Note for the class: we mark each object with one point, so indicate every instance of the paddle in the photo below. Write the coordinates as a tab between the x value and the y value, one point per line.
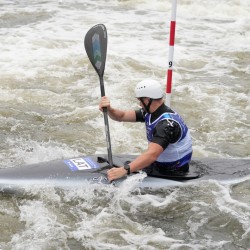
95	43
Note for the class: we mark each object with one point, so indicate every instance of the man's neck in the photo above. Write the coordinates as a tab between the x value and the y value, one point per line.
155	105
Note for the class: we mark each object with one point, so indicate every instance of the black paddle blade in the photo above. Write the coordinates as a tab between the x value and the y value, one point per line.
95	43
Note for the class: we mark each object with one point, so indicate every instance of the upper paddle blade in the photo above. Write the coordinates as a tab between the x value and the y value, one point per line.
95	43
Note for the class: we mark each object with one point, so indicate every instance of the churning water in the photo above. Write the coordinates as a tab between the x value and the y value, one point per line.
49	110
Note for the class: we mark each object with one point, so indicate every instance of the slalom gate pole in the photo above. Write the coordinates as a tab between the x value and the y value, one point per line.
171	52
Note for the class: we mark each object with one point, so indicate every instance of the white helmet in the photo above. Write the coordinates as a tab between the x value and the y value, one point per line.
149	88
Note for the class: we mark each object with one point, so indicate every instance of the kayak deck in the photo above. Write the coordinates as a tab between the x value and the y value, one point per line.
73	172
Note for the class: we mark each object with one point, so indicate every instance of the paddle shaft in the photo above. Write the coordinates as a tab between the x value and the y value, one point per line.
106	122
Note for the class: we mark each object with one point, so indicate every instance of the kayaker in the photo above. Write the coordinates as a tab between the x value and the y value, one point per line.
169	140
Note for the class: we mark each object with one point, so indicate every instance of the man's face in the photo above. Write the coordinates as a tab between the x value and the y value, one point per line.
143	100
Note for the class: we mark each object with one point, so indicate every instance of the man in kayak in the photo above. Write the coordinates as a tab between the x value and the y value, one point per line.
169	141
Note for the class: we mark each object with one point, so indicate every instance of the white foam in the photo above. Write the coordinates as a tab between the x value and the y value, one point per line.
41	227
49	90
29	152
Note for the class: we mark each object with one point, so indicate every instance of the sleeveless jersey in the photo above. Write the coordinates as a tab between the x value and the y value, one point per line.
176	154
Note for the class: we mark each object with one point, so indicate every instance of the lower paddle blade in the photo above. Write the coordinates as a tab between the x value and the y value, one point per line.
95	43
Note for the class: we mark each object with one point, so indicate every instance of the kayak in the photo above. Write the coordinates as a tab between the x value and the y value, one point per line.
87	170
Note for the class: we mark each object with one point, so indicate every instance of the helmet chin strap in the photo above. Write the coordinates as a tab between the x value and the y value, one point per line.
147	107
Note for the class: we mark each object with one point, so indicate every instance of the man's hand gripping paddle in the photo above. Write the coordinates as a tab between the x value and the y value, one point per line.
95	43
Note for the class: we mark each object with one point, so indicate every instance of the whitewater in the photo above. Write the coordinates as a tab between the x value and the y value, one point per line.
49	110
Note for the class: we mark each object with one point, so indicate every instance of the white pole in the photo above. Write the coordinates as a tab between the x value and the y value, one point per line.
171	52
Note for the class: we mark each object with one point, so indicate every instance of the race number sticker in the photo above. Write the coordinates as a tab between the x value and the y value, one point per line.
79	164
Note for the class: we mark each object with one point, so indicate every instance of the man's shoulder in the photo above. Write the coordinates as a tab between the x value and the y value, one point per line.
140	115
168	128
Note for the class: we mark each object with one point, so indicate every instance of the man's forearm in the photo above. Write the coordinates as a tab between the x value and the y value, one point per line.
115	114
146	158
